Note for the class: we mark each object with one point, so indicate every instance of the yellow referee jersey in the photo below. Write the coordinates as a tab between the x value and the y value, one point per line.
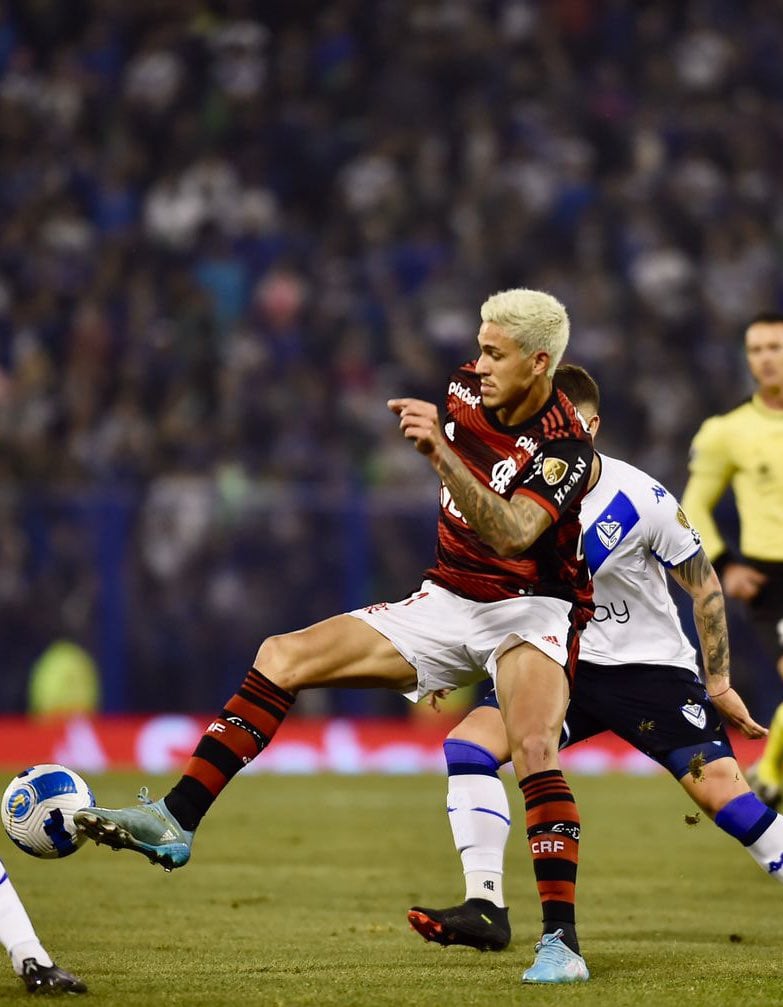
744	449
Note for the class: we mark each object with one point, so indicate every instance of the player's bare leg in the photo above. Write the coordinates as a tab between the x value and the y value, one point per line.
342	651
483	725
533	694
721	791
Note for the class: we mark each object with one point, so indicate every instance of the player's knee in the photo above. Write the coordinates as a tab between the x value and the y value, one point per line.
461	733
276	660
536	747
714	799
483	727
719	784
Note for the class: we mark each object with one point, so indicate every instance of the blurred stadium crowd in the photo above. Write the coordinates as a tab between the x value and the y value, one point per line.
230	230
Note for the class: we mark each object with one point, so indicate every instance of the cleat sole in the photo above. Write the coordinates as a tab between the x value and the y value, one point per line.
435	931
116	838
429	929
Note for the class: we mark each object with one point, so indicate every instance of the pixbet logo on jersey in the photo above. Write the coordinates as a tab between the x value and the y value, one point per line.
464	394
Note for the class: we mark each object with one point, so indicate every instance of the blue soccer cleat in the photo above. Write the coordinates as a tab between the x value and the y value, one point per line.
556	962
150	829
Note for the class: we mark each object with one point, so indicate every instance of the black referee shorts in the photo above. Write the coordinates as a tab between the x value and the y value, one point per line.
663	711
766	609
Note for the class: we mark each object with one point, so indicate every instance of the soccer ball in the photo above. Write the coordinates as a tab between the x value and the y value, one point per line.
37	810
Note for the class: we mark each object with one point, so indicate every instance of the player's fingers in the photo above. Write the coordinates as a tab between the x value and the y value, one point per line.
754	730
748	725
733	710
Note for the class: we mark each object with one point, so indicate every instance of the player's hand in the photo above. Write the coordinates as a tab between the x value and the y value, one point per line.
433	698
419	423
742	581
733	710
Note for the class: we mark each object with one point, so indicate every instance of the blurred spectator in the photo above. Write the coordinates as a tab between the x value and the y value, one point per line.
64	682
231	229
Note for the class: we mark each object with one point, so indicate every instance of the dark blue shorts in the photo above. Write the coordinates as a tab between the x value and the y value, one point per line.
662	711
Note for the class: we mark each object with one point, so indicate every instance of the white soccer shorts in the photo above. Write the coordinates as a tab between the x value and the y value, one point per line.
452	641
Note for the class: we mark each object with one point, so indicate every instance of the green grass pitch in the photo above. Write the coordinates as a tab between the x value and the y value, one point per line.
298	889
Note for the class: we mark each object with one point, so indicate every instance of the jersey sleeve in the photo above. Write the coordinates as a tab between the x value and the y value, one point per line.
557	475
672	539
710	472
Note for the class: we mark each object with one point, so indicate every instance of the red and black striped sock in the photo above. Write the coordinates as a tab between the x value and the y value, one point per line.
553	837
246	726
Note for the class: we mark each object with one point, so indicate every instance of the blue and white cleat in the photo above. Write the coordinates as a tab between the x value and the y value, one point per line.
150	829
556	963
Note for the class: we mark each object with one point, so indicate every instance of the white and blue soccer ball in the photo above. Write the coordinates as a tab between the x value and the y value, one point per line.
38	807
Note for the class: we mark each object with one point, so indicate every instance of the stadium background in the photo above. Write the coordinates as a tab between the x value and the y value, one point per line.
231	229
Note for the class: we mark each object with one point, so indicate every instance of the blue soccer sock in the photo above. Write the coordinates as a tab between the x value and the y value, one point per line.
758	828
479	817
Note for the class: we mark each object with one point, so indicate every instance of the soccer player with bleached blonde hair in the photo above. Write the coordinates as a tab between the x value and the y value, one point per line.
533	319
507	596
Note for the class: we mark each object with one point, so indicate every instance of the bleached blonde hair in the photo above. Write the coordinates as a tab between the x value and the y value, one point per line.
533	319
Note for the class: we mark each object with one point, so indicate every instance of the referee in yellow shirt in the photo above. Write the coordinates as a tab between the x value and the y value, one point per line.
744	449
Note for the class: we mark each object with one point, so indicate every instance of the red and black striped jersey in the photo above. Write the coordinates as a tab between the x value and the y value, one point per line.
548	458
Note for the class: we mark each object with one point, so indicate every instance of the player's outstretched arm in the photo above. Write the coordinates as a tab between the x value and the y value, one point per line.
509	527
697	576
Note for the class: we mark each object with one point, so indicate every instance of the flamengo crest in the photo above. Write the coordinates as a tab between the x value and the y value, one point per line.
502	474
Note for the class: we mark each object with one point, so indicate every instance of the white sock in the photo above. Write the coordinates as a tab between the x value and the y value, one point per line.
480	821
767	851
16	931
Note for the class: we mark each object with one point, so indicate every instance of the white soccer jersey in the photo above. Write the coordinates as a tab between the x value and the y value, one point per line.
633	528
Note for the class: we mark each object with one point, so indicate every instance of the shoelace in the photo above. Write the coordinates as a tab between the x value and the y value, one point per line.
552	947
143	796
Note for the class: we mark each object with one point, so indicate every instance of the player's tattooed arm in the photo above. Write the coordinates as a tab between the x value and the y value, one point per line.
509	526
697	576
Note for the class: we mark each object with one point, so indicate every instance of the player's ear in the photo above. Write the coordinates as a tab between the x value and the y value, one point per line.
541	361
594	425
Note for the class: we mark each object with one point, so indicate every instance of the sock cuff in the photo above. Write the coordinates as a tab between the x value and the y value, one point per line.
745	818
467	758
538	784
273	691
540	777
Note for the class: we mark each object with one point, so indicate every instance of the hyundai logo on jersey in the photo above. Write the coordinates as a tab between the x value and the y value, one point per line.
609	529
